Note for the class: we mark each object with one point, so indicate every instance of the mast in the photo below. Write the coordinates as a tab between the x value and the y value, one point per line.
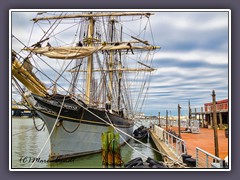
111	63
119	75
90	60
119	87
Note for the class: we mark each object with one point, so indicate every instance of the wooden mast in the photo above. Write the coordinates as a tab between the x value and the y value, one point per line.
111	63
90	60
119	75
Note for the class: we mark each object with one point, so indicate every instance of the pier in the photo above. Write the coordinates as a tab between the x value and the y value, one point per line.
20	110
162	147
190	143
203	136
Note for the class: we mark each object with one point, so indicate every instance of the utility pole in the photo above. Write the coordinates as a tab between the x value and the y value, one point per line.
166	120
215	124
179	123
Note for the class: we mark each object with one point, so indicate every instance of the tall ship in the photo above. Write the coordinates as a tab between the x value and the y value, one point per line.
84	72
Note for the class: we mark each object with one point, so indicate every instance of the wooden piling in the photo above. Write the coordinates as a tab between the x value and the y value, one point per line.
179	121
111	154
189	114
166	120
202	117
195	112
117	153
104	148
110	148
159	119
215	124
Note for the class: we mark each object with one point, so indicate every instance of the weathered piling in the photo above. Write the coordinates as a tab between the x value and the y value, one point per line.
179	122
104	148
215	124
166	120
111	154
110	148
190	113
159	119
117	150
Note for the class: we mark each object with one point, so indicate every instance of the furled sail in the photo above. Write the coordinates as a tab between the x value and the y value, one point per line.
71	52
65	52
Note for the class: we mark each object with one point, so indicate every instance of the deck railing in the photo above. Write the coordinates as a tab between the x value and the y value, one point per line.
174	143
207	160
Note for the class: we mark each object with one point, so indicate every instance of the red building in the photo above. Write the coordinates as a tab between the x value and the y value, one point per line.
221	110
221	106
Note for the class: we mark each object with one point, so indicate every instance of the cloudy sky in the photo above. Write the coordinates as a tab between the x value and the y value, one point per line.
193	59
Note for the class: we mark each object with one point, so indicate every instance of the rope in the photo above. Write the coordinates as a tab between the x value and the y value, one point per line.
168	164
79	123
49	134
52	69
127	134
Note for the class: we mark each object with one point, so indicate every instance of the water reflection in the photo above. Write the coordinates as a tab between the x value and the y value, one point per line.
27	145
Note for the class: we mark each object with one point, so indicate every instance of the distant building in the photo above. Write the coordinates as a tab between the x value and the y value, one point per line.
221	106
221	110
139	115
205	115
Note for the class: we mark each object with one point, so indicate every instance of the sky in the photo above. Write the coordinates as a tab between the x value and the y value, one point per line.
193	59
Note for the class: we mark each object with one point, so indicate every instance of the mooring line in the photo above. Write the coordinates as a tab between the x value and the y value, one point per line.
170	158
49	133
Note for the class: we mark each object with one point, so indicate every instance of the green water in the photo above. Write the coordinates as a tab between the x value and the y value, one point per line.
27	142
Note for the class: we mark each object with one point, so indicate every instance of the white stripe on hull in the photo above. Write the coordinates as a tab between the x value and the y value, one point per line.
85	140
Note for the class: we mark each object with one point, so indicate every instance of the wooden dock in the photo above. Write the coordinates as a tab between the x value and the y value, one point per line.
203	140
161	146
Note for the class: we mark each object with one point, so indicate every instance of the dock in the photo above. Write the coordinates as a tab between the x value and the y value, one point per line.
205	140
162	147
192	142
20	110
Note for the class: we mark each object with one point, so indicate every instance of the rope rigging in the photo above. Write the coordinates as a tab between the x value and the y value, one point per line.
117	129
126	94
50	134
60	74
51	80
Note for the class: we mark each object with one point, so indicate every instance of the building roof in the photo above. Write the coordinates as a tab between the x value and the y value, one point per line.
217	102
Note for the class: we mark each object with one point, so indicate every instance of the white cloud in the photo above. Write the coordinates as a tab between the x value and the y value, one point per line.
211	57
185	37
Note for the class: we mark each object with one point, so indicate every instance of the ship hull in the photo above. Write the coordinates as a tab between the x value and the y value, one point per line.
79	131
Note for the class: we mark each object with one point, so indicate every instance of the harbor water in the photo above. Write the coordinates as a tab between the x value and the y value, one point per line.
27	143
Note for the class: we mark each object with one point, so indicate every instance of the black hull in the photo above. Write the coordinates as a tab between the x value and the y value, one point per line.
78	131
76	112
